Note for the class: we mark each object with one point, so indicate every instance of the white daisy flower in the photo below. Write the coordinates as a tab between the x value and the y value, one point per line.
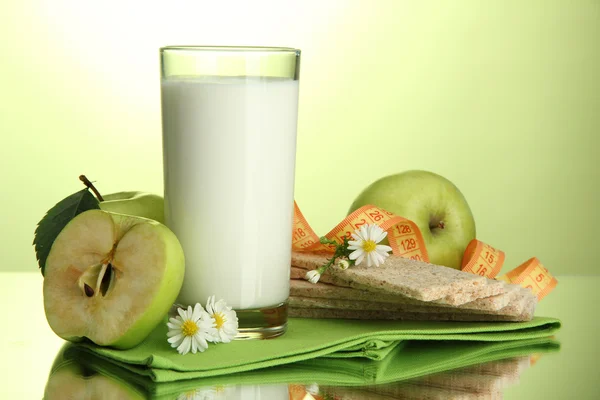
365	245
190	330
225	318
312	276
343	264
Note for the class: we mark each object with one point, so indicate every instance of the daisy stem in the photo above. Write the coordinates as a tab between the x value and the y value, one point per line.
341	250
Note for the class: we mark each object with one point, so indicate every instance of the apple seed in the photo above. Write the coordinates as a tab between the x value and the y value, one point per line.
89	292
97	279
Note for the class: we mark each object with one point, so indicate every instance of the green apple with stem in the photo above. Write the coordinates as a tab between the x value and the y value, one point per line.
140	204
432	202
111	278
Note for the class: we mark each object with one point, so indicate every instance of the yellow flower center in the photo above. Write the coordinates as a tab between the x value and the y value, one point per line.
368	246
189	328
219	319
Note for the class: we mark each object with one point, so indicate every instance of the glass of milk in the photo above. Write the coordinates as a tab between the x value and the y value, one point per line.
229	117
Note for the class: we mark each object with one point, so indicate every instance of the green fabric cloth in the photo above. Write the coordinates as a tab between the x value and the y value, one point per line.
407	360
307	339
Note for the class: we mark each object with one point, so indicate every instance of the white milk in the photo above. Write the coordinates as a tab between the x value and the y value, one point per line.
229	153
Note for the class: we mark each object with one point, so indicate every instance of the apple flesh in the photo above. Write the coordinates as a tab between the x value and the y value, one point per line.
111	278
432	202
139	204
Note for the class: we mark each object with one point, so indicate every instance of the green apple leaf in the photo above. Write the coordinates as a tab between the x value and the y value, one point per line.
55	220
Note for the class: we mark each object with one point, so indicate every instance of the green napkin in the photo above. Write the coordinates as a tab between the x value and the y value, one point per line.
408	360
307	339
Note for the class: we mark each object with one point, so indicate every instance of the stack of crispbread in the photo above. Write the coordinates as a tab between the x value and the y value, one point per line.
404	289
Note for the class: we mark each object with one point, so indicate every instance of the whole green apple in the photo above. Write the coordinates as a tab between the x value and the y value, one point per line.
138	204
433	203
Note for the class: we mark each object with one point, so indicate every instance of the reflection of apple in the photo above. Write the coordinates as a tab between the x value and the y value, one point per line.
138	204
434	204
111	278
71	379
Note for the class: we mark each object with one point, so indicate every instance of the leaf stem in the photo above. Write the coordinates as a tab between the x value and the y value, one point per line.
90	185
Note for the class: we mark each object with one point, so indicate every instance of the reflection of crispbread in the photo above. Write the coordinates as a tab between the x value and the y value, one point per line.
509	370
481	381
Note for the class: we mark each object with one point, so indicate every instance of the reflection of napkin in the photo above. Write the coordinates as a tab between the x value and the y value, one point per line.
409	360
308	339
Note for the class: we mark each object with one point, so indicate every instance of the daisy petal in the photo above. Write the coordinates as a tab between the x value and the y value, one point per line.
209	305
370	231
381	236
356	254
360	258
173	332
185	346
202	343
377	259
382	248
356	237
182	313
364	232
369	260
194	345
175	339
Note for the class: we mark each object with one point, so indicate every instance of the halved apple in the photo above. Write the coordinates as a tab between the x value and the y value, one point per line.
111	278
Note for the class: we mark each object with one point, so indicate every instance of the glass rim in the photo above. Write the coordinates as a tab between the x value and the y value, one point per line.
241	49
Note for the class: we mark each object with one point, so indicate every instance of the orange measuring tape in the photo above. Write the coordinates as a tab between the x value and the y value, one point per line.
406	240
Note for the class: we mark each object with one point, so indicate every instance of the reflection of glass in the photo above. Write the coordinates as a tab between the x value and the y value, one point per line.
412	370
229	117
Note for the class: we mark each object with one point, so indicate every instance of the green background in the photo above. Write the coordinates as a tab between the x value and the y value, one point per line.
500	97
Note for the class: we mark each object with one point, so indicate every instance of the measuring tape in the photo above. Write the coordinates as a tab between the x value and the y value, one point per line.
406	240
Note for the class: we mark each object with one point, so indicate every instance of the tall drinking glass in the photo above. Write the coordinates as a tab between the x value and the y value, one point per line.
229	117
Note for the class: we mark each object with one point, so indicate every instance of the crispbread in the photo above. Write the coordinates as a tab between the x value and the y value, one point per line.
366	305
414	279
298	273
400	315
463	296
300	287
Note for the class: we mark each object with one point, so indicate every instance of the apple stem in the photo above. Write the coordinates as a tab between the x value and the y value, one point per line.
442	225
91	186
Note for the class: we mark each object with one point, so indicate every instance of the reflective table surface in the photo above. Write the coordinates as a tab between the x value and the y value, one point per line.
568	365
